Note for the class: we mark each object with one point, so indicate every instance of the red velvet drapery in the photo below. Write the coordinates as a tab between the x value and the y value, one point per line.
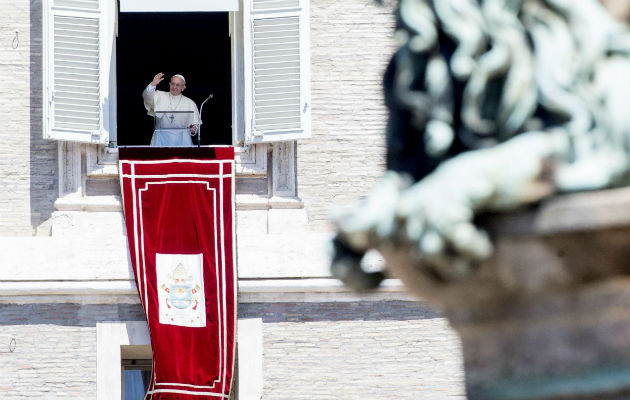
179	212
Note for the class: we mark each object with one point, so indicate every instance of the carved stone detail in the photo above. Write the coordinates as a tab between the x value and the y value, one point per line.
283	173
251	160
101	161
71	177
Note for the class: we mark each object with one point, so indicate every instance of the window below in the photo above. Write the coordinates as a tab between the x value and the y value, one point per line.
195	45
136	376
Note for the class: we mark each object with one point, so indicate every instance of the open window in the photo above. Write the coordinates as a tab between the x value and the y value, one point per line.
100	54
136	376
195	45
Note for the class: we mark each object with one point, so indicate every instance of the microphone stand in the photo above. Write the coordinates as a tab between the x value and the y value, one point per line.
199	127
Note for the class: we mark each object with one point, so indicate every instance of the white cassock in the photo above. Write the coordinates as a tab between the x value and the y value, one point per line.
172	129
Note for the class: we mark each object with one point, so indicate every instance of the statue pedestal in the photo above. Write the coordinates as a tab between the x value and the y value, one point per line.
548	316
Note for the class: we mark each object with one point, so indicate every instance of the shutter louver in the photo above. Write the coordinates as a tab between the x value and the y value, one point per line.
76	94
278	68
264	5
276	74
89	5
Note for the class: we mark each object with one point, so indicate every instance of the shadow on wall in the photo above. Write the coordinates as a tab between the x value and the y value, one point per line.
338	311
43	153
68	314
72	314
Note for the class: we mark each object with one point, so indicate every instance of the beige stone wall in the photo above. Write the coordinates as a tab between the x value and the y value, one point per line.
28	164
54	353
312	351
351	43
357	350
412	360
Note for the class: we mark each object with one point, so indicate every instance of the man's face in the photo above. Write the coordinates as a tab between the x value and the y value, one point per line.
177	86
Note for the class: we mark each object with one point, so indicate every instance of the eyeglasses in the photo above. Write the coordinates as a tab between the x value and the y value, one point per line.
177	84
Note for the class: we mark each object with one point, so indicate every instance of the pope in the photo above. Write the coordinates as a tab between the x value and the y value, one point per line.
176	116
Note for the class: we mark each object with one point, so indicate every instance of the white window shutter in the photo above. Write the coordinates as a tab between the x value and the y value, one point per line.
277	70
76	70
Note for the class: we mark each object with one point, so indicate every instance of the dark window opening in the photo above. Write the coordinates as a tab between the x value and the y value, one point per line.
195	45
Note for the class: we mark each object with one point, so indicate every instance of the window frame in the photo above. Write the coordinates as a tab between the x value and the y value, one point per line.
133	364
241	65
117	340
252	157
104	13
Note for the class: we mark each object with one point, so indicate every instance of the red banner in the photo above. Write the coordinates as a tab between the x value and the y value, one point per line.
179	211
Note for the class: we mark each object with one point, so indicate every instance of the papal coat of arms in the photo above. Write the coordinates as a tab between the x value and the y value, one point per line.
180	289
182	293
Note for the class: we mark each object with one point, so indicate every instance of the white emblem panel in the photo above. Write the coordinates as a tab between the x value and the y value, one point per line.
180	289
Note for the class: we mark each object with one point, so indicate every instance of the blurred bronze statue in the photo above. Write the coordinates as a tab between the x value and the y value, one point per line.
493	104
507	117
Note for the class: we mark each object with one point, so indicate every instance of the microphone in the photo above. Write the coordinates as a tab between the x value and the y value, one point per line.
200	111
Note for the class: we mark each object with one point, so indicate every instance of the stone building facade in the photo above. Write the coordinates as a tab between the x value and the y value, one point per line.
67	299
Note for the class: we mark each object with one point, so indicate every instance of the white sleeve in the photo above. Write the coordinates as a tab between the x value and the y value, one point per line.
150	88
147	95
